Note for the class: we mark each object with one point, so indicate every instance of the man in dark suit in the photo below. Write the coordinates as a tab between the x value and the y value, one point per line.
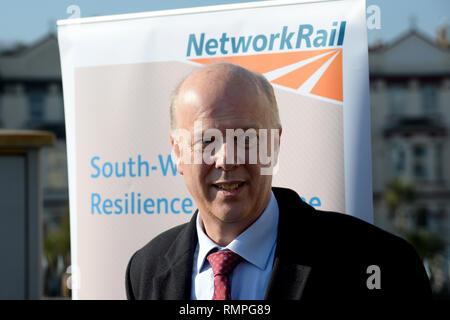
249	240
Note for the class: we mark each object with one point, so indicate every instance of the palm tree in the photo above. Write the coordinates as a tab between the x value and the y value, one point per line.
399	193
428	244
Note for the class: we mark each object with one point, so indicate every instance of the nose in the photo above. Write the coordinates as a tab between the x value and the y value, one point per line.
225	157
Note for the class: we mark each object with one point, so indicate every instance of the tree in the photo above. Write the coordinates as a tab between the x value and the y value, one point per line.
399	193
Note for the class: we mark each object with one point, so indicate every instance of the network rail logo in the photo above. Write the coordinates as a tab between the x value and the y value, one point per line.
306	60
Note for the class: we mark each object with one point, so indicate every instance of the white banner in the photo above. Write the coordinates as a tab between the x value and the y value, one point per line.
118	75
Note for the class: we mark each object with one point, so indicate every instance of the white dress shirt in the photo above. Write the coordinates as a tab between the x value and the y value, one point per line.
256	245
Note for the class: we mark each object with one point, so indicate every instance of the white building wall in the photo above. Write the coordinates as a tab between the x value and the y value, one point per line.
14	107
413	99
53	104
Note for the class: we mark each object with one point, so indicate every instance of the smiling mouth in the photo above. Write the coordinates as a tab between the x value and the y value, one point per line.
229	186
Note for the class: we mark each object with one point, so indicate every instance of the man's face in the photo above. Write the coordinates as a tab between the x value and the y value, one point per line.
224	192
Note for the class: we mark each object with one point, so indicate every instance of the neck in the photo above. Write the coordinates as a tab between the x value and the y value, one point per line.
224	232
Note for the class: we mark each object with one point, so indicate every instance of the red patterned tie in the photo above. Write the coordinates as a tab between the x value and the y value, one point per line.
223	263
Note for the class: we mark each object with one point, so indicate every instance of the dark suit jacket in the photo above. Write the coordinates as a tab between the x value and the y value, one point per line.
318	255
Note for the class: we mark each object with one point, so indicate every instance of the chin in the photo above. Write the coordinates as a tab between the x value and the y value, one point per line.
230	213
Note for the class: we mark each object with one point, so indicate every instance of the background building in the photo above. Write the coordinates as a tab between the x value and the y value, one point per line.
410	114
31	98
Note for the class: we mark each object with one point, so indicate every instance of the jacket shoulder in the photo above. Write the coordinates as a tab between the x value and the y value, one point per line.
340	248
356	233
333	231
149	261
359	244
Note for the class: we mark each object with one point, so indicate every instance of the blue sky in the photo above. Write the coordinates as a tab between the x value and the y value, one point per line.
27	21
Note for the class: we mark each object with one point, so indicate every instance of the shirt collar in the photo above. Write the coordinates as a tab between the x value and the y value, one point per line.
254	244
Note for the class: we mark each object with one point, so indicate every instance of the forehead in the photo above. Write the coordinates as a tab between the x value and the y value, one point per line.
222	99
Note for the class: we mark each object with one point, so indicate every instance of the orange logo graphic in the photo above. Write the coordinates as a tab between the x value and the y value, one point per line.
313	72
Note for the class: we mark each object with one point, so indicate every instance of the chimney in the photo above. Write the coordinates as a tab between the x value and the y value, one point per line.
441	36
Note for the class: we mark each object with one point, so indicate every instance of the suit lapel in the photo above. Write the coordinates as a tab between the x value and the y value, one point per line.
175	282
292	262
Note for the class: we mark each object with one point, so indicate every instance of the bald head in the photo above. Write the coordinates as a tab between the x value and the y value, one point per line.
225	134
224	81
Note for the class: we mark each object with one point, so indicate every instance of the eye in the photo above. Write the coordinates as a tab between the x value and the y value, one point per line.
208	140
204	141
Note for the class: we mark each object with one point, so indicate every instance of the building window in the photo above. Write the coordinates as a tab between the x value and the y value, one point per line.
56	169
420	161
398	158
429	99
397	99
36	100
422	218
439	164
1	109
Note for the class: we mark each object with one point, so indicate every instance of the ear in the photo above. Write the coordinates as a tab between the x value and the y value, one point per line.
176	153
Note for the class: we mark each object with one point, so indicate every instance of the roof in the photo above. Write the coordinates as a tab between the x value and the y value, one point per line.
411	54
38	61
